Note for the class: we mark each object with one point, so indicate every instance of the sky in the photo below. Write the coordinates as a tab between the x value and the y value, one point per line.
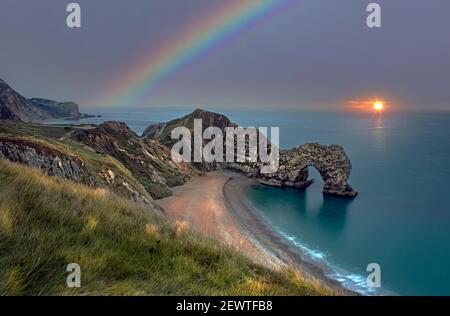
316	54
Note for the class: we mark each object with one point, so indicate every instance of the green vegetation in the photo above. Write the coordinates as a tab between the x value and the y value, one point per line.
159	191
96	163
30	129
148	161
139	163
122	248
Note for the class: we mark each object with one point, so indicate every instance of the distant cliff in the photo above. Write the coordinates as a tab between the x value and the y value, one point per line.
14	106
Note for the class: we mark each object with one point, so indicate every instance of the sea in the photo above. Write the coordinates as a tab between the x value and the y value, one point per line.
400	221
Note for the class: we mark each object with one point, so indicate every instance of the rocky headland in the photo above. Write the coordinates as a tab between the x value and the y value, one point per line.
14	106
331	161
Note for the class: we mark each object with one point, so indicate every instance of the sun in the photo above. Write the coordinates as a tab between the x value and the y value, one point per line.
378	106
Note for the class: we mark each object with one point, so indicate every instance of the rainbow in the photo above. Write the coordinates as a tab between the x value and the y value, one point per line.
231	19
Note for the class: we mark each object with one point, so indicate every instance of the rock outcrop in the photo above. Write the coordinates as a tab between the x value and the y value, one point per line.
14	106
148	160
65	110
107	155
55	161
51	161
161	131
331	161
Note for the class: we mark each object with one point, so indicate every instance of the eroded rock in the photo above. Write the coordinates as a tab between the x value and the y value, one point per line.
54	162
331	161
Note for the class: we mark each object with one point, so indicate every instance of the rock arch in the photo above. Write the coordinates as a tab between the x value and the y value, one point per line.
331	161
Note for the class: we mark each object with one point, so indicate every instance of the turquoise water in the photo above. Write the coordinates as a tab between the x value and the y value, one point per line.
401	218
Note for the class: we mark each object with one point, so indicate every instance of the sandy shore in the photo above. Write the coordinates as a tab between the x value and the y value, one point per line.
215	204
201	203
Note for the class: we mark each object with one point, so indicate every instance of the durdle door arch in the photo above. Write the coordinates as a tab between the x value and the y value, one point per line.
330	161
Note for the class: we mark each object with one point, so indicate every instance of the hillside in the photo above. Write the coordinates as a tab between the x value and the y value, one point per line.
122	248
14	106
148	160
161	131
25	144
108	155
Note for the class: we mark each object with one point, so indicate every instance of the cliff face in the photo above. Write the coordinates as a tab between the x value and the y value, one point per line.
14	106
51	161
58	109
78	165
331	161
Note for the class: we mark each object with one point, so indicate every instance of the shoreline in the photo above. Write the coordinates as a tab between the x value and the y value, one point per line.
216	205
263	233
200	204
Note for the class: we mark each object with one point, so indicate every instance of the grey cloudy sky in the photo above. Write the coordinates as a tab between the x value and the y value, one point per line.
318	55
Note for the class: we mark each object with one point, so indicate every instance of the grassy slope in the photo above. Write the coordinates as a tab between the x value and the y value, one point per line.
30	129
137	175
46	223
143	158
48	137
